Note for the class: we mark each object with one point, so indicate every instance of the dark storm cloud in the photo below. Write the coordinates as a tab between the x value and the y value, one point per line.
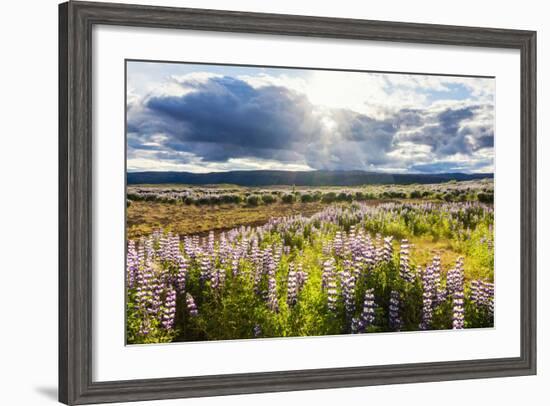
452	131
450	119
221	118
231	112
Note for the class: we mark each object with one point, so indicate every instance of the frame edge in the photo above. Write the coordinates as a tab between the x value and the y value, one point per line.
75	377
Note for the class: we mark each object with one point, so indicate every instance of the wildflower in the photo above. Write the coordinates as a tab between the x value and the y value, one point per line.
191	306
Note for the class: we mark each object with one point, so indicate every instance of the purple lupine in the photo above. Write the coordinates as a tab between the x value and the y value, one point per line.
348	290
182	274
440	292
476	292
404	265
455	286
223	248
215	278
141	251
328	271
205	265
301	277
482	294
156	301
191	306
458	310
211	241
174	247
489	296
272	301
369	252
254	252
234	264
327	248
169	309
329	284
132	264
455	277
428	294
394	318
149	248
144	327
387	251
277	254
292	286
338	244
257	331
367	315
144	298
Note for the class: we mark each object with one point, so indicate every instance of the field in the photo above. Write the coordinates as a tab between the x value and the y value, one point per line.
199	209
228	262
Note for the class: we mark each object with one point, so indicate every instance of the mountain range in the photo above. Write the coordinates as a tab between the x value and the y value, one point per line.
297	178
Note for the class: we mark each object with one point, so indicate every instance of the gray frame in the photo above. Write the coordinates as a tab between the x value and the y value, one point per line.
76	20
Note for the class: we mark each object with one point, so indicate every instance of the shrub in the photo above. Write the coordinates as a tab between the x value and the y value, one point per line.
343	197
268	199
485	197
253	200
288	198
329	197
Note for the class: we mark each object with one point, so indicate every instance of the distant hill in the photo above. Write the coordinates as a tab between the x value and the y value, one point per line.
313	178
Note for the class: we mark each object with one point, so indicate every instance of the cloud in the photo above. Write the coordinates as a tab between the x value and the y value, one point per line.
209	122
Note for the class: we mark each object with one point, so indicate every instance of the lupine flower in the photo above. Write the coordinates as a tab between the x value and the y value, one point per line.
235	264
482	294
348	290
301	277
367	315
475	288
215	281
458	310
489	296
132	264
257	331
211	242
338	244
272	300
404	266
145	327
394	319
455	277
169	310
174	247
205	268
428	294
191	306
387	251
182	274
292	288
455	285
328	271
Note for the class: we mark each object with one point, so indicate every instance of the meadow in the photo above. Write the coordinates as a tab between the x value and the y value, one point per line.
226	262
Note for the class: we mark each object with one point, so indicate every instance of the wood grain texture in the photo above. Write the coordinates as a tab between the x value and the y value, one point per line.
76	20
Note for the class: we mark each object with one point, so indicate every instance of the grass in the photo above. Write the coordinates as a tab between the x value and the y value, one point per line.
144	217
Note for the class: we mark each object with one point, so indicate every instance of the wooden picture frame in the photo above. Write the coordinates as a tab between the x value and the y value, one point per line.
76	20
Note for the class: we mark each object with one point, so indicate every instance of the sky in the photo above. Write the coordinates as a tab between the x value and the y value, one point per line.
211	118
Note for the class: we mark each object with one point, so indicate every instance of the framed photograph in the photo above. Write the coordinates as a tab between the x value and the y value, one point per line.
259	202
